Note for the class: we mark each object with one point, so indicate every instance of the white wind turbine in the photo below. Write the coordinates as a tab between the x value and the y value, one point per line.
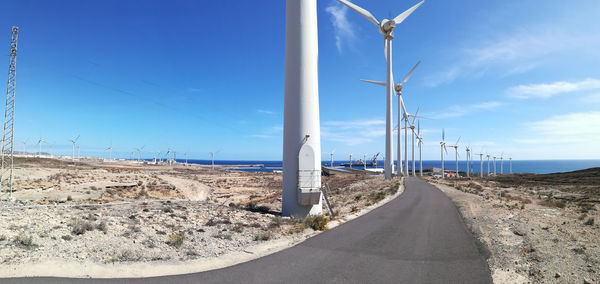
386	27
139	151
510	164
494	165
443	149
455	146
488	164
40	147
404	116
74	141
350	160
481	163
365	161
212	155
25	148
109	149
468	150
420	146
331	158
502	163
412	129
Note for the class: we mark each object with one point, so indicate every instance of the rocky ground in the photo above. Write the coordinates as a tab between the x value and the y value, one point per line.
128	212
536	228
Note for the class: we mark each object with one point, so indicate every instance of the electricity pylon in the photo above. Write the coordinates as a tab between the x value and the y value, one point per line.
6	172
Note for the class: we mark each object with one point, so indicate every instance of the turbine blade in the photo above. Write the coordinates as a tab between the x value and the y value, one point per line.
374	82
363	12
457	140
410	73
400	18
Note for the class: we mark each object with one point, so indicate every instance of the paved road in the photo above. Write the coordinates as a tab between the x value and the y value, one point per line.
418	237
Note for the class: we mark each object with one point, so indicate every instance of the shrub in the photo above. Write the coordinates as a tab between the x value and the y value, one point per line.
23	240
2	238
276	222
316	222
69	198
102	227
238	228
377	196
262	236
589	222
66	237
80	227
175	239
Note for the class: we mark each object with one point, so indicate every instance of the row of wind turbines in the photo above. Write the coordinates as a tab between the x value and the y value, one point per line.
468	150
386	28
170	156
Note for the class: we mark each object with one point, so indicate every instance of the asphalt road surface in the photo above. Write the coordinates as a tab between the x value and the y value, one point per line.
418	237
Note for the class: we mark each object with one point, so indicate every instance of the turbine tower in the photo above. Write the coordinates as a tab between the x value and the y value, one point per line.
488	164
109	149
443	149
510	164
455	146
40	147
481	164
494	165
420	146
401	109
74	141
301	185
468	149
331	158
502	163
386	28
6	172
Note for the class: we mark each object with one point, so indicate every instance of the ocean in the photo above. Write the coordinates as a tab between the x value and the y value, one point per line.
518	166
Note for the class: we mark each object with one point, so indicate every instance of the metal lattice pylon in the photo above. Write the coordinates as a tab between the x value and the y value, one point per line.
6	172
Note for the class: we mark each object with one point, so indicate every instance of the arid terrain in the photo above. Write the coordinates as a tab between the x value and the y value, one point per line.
125	212
537	228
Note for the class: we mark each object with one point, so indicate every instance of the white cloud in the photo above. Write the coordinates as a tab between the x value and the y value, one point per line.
353	132
462	110
577	131
591	99
263	111
516	52
548	90
341	25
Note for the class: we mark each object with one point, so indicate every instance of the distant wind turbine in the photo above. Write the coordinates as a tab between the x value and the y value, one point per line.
139	151
455	146
74	141
109	149
468	150
494	165
386	27
420	145
488	164
510	163
40	147
502	163
481	163
443	149
331	158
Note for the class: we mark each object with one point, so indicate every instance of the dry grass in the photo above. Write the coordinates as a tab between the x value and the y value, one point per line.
552	204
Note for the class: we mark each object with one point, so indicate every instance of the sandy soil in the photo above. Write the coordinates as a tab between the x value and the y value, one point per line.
535	232
127	219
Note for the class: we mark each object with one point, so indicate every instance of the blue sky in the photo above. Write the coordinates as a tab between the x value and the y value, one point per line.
519	77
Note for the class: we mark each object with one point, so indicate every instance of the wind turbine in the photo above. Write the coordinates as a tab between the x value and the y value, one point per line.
74	141
481	163
212	154
185	158
488	163
420	145
404	116
25	148
468	150
510	163
455	146
40	147
109	149
351	160
139	151
494	165
502	163
78	151
386	27
365	161
331	158
443	149
412	129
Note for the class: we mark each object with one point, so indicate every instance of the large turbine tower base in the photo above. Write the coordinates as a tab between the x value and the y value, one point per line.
301	131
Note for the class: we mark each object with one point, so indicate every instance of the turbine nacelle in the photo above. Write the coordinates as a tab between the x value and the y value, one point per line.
387	27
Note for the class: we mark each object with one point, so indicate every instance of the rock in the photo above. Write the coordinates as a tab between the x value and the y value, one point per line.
586	281
518	233
557	275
